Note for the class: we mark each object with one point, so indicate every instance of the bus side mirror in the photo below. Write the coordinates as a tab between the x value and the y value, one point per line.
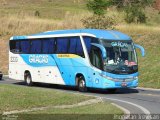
103	50
141	48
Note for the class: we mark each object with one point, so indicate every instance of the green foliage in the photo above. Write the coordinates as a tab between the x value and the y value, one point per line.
98	6
37	13
123	3
99	22
135	14
134	9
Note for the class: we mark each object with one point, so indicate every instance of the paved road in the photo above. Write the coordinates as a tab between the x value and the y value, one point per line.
135	101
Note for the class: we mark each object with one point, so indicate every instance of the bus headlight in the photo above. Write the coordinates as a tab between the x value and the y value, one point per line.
119	79
109	78
135	78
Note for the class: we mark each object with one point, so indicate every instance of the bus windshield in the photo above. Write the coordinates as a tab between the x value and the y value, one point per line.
121	57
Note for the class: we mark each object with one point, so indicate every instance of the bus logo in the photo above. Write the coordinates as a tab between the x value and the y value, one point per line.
40	59
119	44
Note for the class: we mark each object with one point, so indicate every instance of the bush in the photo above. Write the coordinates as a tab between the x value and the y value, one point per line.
99	22
135	15
37	13
134	9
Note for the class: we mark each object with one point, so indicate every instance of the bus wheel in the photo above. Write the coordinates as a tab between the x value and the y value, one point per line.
28	79
82	85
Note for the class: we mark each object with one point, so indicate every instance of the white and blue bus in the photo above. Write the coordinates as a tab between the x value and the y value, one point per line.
86	58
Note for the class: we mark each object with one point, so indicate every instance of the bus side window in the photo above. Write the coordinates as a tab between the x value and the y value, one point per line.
73	45
79	49
15	46
69	45
62	45
48	46
88	40
96	57
35	46
25	46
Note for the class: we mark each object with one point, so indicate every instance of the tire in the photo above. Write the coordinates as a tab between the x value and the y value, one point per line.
82	85
0	78
112	90
28	79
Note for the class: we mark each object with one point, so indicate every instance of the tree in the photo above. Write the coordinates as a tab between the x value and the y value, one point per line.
134	9
98	6
98	20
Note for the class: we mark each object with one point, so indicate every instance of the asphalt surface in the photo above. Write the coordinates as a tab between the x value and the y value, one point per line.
135	101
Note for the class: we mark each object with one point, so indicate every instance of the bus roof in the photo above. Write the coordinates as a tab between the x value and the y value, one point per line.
103	34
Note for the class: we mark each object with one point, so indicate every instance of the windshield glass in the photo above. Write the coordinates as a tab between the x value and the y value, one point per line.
121	57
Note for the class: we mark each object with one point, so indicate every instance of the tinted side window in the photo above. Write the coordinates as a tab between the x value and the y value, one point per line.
96	58
88	40
12	45
36	46
15	46
73	45
62	45
79	48
25	47
48	46
19	46
69	45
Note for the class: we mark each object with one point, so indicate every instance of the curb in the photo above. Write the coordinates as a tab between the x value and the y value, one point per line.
152	89
126	112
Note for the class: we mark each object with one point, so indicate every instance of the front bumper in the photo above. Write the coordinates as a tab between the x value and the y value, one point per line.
104	83
108	80
112	84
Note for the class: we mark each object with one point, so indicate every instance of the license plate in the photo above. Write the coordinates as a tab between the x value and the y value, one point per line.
124	84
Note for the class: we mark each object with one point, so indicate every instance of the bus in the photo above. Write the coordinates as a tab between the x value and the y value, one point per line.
84	58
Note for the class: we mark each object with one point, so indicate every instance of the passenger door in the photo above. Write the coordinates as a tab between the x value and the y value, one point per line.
97	65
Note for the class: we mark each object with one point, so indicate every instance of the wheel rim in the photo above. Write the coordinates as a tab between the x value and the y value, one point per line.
28	80
82	84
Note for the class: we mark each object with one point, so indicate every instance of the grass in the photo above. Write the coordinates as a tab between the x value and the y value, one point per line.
67	117
20	97
100	111
99	108
51	9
